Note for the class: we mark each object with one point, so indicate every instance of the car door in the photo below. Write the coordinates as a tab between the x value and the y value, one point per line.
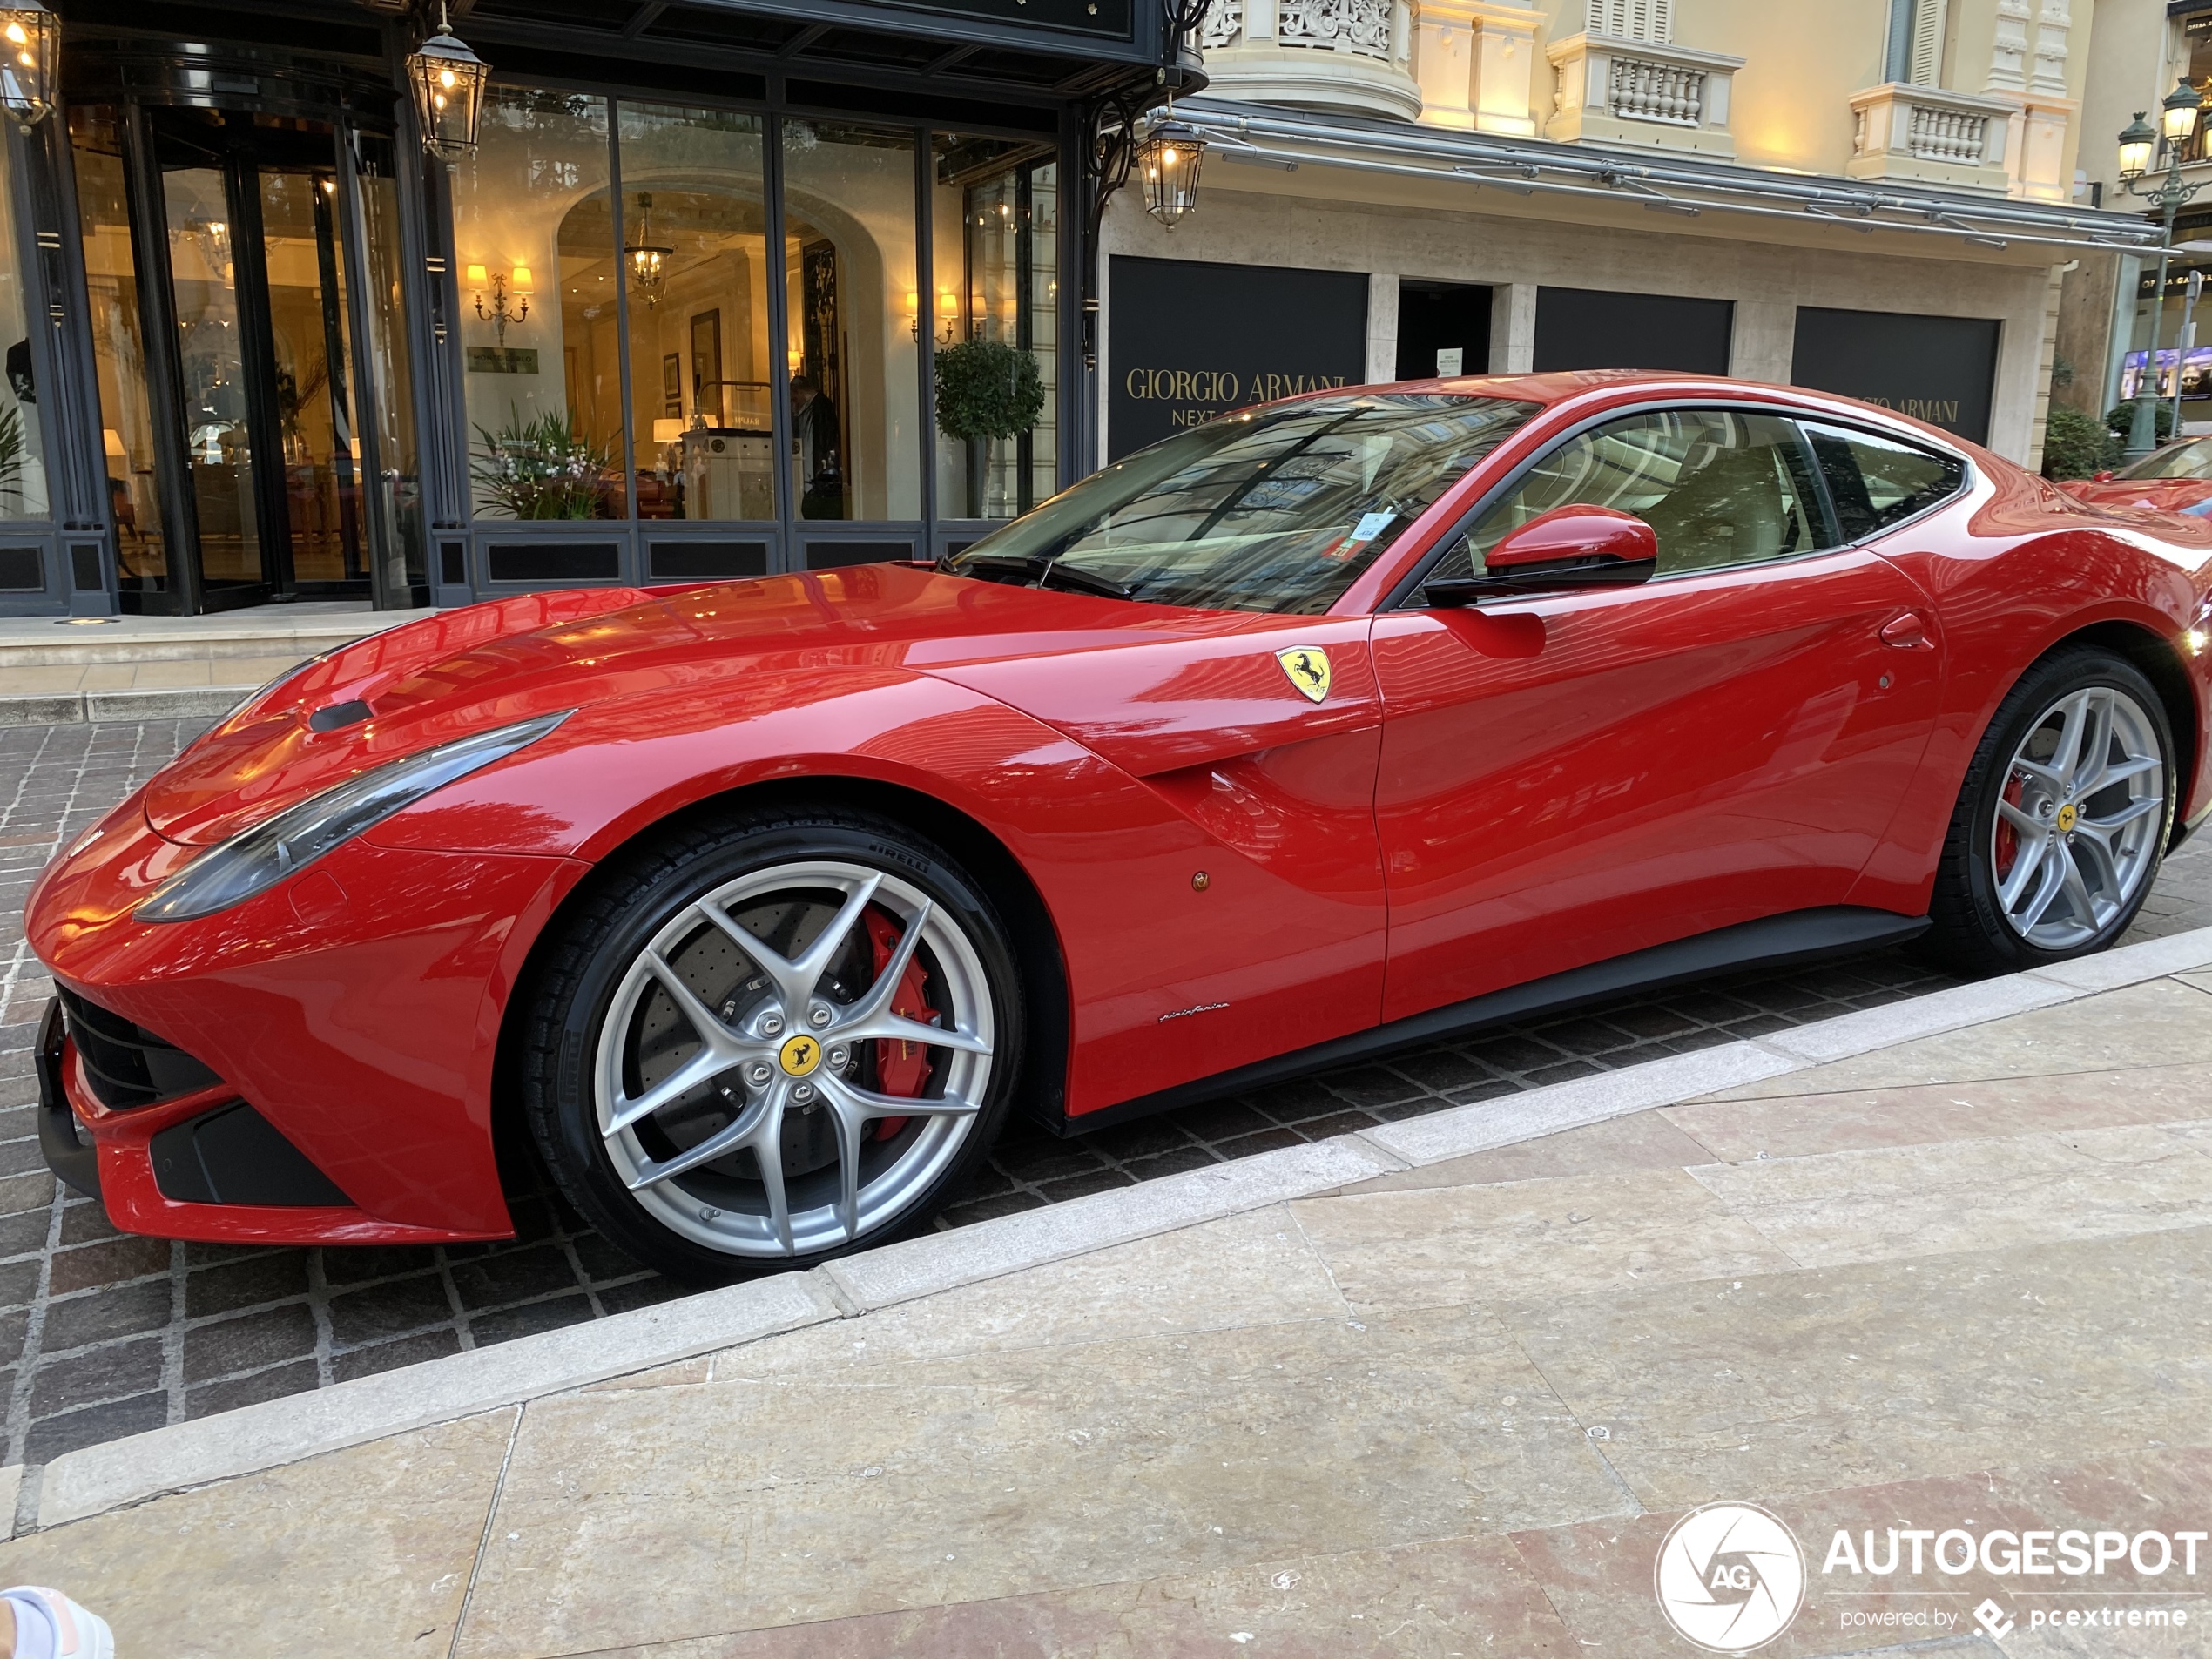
1570	777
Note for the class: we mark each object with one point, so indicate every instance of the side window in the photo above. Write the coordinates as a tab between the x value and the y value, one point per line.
1876	481
1718	487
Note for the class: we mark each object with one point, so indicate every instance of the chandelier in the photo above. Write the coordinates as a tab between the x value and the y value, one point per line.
648	264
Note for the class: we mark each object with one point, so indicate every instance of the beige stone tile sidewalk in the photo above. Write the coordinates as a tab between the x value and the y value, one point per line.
1451	1411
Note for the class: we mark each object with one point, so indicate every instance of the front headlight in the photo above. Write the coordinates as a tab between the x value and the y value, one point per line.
258	858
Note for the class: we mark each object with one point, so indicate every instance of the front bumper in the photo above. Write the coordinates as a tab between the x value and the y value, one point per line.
346	1022
76	1163
149	1172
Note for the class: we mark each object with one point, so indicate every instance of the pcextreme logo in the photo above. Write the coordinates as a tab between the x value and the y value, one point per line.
1730	1577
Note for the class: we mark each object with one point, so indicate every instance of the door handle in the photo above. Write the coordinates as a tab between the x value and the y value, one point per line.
1907	632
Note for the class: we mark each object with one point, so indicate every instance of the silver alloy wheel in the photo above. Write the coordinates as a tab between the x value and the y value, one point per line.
2078	819
730	1075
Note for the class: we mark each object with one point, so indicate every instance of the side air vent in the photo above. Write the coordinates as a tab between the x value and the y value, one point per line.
233	1154
126	1064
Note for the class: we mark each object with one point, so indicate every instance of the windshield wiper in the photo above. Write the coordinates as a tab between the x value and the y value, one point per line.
1046	573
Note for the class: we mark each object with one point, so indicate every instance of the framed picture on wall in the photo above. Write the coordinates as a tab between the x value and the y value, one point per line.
671	386
706	365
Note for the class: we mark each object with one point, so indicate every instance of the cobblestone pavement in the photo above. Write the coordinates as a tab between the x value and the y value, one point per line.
104	1334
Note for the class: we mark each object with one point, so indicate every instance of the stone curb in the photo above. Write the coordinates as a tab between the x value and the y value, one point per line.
283	1431
1492	1123
298	1426
937	1262
76	708
1918	1016
81	647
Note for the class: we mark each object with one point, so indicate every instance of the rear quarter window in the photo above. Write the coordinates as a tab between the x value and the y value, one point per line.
1877	481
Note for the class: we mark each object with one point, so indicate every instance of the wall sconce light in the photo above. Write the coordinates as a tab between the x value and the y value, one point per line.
32	36
448	84
794	358
111	442
948	312
510	297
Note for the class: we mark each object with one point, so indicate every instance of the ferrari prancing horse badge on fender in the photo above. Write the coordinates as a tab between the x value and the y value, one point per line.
1308	667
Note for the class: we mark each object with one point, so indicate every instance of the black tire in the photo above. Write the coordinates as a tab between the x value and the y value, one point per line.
1971	930
595	944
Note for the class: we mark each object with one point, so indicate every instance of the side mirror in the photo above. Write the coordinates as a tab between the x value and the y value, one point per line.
2104	477
1570	547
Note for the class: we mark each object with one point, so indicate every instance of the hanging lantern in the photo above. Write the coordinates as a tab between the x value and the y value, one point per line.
449	82
1167	159
33	38
648	264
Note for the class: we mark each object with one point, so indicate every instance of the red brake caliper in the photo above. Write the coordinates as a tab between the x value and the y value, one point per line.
2009	840
902	1067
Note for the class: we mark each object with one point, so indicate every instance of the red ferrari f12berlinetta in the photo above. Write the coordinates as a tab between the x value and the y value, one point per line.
1332	726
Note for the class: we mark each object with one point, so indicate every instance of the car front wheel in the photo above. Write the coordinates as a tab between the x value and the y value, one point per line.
2064	817
773	1042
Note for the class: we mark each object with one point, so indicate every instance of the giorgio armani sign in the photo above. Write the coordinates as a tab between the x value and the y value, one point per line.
1188	340
1937	369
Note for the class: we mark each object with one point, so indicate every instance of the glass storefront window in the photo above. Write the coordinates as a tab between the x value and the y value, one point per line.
118	350
2197	44
855	365
534	235
22	454
695	265
995	240
624	351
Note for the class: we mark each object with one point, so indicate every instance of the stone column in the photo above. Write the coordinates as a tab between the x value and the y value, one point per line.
1512	327
1763	340
1382	326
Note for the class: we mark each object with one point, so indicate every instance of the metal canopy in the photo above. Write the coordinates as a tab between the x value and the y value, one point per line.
1686	185
1049	49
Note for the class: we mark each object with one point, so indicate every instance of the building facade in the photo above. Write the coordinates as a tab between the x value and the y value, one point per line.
1875	197
684	311
2143	49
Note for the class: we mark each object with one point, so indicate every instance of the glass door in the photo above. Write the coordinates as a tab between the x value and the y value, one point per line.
220	393
310	358
233	385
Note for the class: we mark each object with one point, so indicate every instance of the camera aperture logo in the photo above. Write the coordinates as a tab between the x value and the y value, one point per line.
1730	1577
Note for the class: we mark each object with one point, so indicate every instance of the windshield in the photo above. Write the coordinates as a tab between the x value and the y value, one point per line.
2190	460
1273	510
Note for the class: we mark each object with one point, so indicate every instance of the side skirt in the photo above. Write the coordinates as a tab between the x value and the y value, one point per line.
1772	942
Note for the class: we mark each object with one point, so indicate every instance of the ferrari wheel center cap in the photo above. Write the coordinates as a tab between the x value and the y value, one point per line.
2069	815
799	1055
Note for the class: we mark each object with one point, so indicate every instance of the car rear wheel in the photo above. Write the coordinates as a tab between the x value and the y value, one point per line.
772	1042
2064	817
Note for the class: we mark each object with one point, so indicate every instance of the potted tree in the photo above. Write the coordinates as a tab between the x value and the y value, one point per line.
986	389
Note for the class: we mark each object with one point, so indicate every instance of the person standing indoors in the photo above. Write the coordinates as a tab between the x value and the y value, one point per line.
815	438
